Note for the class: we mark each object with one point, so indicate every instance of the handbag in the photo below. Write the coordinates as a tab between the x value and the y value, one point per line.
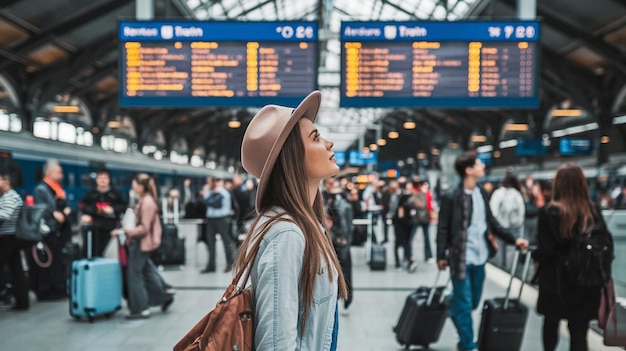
128	221
31	224
612	320
229	326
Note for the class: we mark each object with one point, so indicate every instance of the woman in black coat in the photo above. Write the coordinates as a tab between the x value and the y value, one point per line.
570	213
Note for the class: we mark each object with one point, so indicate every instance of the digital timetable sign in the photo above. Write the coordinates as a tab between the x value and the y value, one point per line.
440	64
190	63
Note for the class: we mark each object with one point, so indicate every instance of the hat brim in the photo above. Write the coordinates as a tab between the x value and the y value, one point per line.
308	108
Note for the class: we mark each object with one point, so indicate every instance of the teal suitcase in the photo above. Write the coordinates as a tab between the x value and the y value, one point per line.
96	288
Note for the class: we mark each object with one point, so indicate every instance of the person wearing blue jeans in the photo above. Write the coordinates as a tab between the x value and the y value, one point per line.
466	296
463	243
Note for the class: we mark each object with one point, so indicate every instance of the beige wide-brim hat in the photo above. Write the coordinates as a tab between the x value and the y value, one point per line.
266	134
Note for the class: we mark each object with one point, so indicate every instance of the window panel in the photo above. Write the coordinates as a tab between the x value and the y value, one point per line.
461	8
192	4
67	133
4	121
41	129
426	6
439	13
201	14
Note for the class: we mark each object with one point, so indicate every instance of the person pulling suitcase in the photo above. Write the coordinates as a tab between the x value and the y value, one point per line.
465	220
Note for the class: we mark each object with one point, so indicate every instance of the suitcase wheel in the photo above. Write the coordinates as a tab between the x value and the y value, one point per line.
108	315
90	317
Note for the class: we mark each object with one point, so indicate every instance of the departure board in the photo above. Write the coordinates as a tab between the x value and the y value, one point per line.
191	63
440	64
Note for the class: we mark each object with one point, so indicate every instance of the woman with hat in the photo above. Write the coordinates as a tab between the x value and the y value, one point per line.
295	274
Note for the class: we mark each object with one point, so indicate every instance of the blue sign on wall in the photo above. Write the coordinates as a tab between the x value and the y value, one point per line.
360	158
485	157
575	146
340	156
193	63
440	64
530	147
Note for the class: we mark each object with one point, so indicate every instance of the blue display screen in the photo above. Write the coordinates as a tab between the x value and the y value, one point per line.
360	158
575	146
485	157
340	156
191	63
440	64
530	147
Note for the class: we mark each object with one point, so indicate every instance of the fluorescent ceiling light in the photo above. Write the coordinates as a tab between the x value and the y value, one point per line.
484	148
114	124
65	109
517	127
574	130
508	143
479	138
574	112
619	120
409	125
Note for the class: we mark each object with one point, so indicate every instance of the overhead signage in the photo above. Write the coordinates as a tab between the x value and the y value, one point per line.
360	158
440	64
192	63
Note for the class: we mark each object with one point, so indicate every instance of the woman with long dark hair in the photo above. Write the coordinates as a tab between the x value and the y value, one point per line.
570	213
295	275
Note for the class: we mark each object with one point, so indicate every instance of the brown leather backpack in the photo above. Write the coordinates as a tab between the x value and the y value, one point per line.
229	326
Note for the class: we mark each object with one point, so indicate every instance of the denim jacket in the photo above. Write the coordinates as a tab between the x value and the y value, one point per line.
277	302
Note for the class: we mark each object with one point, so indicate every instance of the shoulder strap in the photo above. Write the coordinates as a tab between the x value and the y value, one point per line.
238	284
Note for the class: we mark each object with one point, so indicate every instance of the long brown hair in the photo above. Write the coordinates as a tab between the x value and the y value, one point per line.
149	187
570	194
288	189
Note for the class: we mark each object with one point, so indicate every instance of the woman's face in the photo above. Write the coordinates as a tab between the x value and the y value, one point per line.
138	189
319	158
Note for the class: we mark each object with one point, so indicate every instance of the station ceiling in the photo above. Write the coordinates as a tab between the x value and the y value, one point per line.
51	49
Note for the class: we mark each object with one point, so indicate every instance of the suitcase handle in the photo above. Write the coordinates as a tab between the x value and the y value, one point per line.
431	294
524	274
175	211
89	229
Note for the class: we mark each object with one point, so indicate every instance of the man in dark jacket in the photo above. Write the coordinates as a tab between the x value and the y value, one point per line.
48	280
102	207
462	242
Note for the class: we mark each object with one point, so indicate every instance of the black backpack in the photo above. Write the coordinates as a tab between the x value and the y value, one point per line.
31	224
587	261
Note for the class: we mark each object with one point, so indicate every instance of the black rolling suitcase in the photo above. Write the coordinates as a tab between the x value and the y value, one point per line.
378	252
504	319
378	260
424	314
171	252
